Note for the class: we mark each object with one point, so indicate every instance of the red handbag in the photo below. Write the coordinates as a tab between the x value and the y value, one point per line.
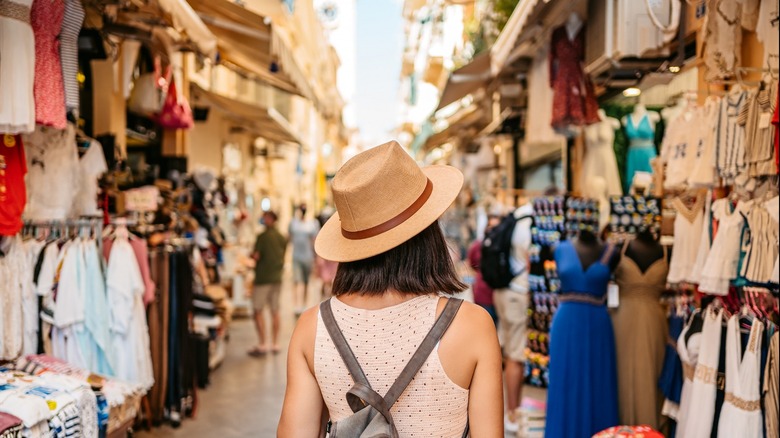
176	112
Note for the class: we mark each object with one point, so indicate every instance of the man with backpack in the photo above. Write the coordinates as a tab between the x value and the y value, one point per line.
505	267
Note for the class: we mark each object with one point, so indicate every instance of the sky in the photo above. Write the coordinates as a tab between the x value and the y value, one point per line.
379	49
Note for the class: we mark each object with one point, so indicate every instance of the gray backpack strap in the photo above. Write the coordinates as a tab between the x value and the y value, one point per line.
345	351
423	351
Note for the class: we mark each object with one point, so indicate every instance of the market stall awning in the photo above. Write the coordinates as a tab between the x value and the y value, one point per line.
266	122
464	120
508	37
466	80
248	41
187	20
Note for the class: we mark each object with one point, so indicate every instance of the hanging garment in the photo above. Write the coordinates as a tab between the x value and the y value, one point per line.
723	38
92	165
129	330
730	137
17	67
32	250
582	396
574	103
13	191
538	125
641	150
688	346
773	208
46	19
600	159
705	173
159	326
766	31
722	263
671	381
96	317
755	116
53	173
701	411
741	413
640	338
12	273
69	51
679	150
687	239
771	390
704	242
762	248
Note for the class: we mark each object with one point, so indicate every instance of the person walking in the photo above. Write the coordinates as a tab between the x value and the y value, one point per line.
395	280
483	293
512	308
269	251
303	231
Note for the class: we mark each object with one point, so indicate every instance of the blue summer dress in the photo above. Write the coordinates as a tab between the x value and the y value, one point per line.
582	396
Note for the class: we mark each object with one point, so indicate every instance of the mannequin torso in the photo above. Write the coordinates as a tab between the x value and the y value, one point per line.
573	25
640	110
646	250
590	249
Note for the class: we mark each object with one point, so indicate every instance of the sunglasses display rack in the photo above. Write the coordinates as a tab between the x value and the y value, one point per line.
556	218
548	229
631	215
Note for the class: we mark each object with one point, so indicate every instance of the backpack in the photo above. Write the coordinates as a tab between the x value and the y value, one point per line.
496	250
372	417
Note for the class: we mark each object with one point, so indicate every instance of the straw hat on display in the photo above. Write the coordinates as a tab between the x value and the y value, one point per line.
383	198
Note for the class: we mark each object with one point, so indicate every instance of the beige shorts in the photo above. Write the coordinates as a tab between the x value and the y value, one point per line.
266	294
512	309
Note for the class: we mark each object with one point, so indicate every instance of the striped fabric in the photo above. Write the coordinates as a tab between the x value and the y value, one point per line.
69	51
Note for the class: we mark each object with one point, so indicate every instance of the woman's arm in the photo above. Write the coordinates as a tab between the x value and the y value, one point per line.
303	405
471	357
486	393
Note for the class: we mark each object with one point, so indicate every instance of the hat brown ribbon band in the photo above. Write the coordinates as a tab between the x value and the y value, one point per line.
394	222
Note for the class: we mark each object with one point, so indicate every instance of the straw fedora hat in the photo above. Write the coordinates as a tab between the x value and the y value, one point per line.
383	198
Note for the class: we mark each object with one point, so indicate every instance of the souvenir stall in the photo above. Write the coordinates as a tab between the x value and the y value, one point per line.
679	165
105	298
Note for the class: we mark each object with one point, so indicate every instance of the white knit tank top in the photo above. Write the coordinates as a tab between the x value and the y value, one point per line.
383	341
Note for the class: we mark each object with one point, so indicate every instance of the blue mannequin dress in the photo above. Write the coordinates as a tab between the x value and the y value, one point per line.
582	396
641	149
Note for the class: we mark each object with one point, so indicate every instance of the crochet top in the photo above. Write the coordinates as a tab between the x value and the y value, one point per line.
383	341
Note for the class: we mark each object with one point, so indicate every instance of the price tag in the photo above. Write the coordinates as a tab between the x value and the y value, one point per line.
613	295
764	120
142	199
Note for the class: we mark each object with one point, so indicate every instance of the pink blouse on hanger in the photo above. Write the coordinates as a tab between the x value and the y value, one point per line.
48	88
141	251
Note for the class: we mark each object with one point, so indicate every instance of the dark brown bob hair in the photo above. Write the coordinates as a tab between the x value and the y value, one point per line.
421	265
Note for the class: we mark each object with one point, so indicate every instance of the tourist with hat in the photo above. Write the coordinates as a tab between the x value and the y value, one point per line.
392	295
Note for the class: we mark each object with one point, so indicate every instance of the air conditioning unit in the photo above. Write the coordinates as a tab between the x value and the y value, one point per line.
600	36
619	29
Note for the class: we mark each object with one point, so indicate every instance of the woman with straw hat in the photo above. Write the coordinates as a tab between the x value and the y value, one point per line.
391	288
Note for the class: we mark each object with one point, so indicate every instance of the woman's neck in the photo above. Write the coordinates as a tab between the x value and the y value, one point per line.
375	301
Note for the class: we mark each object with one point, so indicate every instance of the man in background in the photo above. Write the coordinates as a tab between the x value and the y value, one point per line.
303	231
270	247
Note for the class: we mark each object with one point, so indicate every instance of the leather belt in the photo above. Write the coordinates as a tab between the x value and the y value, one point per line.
582	298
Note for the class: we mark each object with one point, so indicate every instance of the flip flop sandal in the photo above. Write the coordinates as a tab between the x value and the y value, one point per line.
257	352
